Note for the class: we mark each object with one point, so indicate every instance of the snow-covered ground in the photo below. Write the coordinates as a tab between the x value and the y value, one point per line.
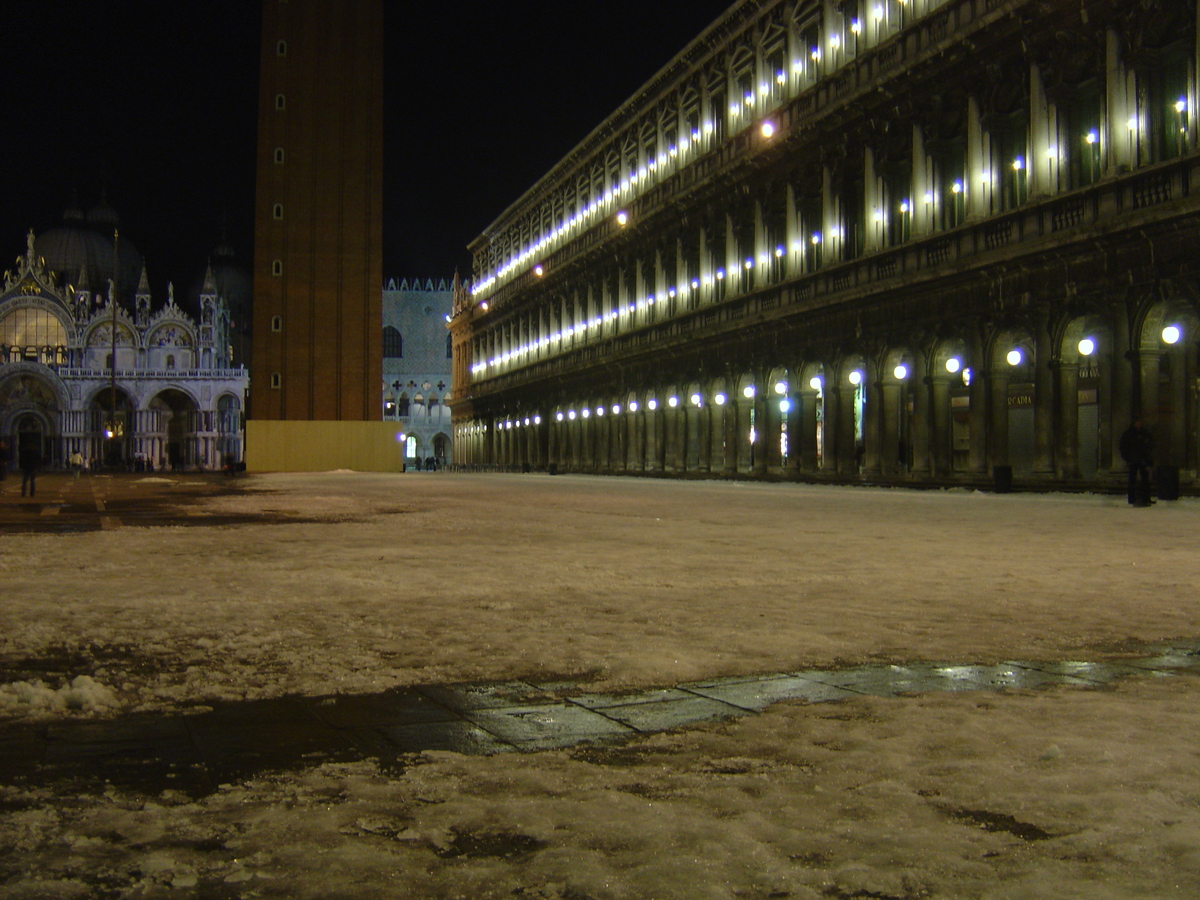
624	584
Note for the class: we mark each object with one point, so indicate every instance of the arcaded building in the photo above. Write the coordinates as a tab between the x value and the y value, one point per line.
898	241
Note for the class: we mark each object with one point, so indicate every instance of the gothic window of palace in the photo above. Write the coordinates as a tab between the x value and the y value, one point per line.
393	343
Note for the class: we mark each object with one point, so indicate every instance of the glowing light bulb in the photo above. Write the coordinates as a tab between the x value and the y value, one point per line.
901	372
1087	347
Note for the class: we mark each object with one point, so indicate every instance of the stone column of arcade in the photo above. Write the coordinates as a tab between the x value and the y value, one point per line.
920	425
997	378
889	438
941	434
831	425
1043	400
792	418
1174	451
874	403
1067	446
1149	365
760	433
979	422
847	444
806	429
1125	396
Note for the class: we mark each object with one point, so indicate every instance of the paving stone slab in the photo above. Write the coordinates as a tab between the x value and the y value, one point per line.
605	701
1167	662
676	712
758	695
546	726
1085	672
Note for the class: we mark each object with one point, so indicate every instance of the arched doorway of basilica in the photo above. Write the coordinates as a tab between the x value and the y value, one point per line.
29	413
175	432
31	433
109	427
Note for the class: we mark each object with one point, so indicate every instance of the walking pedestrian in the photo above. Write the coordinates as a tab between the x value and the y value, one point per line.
76	462
30	461
1137	449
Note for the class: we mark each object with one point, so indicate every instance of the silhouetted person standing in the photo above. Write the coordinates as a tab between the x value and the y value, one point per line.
30	461
1137	449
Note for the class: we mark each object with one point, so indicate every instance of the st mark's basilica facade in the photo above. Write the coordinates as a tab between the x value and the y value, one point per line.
937	241
93	364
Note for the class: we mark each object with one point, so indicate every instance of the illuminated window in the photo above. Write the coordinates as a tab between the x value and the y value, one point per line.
32	327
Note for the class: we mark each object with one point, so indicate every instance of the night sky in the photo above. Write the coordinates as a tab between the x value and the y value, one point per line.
151	105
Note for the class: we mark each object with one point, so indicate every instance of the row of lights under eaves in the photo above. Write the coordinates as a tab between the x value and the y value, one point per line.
1087	346
613	315
638	178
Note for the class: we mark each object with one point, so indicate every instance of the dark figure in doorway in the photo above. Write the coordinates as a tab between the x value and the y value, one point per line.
1137	449
31	460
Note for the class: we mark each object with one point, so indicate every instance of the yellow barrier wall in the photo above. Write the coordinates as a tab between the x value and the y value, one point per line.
303	446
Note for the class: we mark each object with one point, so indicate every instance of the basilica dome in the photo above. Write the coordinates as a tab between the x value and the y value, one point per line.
78	249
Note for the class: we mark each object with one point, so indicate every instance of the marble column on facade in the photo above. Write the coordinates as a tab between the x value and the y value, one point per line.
1043	398
1067	450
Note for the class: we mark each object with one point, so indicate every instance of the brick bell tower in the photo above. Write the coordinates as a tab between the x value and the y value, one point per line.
318	239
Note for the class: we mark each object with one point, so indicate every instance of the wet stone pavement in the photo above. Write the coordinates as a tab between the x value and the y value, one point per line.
197	752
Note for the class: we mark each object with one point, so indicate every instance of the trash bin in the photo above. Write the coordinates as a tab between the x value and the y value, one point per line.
1167	478
1003	479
